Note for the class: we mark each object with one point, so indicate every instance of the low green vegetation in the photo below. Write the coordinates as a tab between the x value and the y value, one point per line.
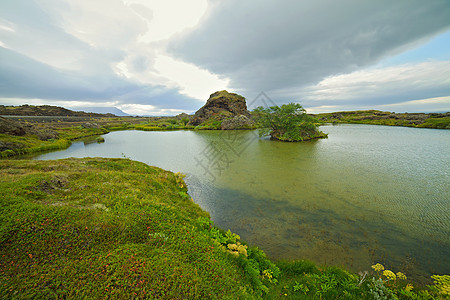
11	145
288	122
31	143
376	117
116	228
438	123
212	123
95	228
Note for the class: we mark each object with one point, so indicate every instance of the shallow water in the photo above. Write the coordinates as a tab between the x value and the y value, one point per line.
366	194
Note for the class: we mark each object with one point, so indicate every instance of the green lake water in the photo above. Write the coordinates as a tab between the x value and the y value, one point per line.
366	194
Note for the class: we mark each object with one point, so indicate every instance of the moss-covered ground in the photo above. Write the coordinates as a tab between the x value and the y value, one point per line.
375	117
99	228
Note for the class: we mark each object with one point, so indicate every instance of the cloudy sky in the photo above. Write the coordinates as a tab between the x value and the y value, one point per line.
164	57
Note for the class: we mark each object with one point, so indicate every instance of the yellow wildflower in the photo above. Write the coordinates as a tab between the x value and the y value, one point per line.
401	276
408	287
232	247
378	267
242	250
268	274
442	282
389	274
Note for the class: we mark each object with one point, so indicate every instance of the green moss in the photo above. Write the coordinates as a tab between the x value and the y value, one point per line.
31	143
438	123
211	124
116	228
7	153
232	96
375	117
90	228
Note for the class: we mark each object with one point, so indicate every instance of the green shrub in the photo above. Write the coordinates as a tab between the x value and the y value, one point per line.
287	123
7	153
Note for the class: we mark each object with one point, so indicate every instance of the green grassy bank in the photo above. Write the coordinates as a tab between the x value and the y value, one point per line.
376	117
118	229
31	143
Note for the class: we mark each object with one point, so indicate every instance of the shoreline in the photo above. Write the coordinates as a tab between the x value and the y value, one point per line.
53	198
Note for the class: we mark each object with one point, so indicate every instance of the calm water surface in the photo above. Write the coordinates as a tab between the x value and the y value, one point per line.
366	194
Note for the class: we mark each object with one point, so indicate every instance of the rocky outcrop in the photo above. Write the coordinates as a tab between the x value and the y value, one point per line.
11	127
227	107
183	116
44	134
238	122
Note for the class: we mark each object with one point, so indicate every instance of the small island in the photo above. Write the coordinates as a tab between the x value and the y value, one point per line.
288	123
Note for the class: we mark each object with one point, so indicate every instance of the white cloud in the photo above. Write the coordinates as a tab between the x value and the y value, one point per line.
132	109
109	46
439	104
322	109
150	110
383	82
122	50
273	47
190	79
165	18
4	27
56	102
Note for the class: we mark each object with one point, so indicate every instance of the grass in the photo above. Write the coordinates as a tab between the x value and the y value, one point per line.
438	123
375	117
31	143
115	228
99	228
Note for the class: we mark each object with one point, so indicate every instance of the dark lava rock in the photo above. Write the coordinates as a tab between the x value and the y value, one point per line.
9	146
90	125
44	134
11	127
237	122
183	116
221	106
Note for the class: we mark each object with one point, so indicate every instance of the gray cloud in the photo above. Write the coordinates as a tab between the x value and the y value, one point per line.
22	77
279	46
43	60
75	51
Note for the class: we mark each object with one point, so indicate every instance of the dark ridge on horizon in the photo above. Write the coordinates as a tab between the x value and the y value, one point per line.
47	110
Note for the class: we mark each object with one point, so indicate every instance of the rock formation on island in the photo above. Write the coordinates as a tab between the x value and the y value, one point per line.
227	110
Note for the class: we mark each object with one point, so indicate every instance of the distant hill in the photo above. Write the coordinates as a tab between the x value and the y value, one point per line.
104	110
46	110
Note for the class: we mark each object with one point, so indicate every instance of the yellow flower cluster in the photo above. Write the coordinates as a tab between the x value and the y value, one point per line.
237	249
389	274
378	267
409	287
442	282
268	274
180	179
401	276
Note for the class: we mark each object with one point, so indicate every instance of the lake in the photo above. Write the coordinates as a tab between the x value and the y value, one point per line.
366	194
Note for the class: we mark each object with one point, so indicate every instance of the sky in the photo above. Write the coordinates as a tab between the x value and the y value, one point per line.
164	57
